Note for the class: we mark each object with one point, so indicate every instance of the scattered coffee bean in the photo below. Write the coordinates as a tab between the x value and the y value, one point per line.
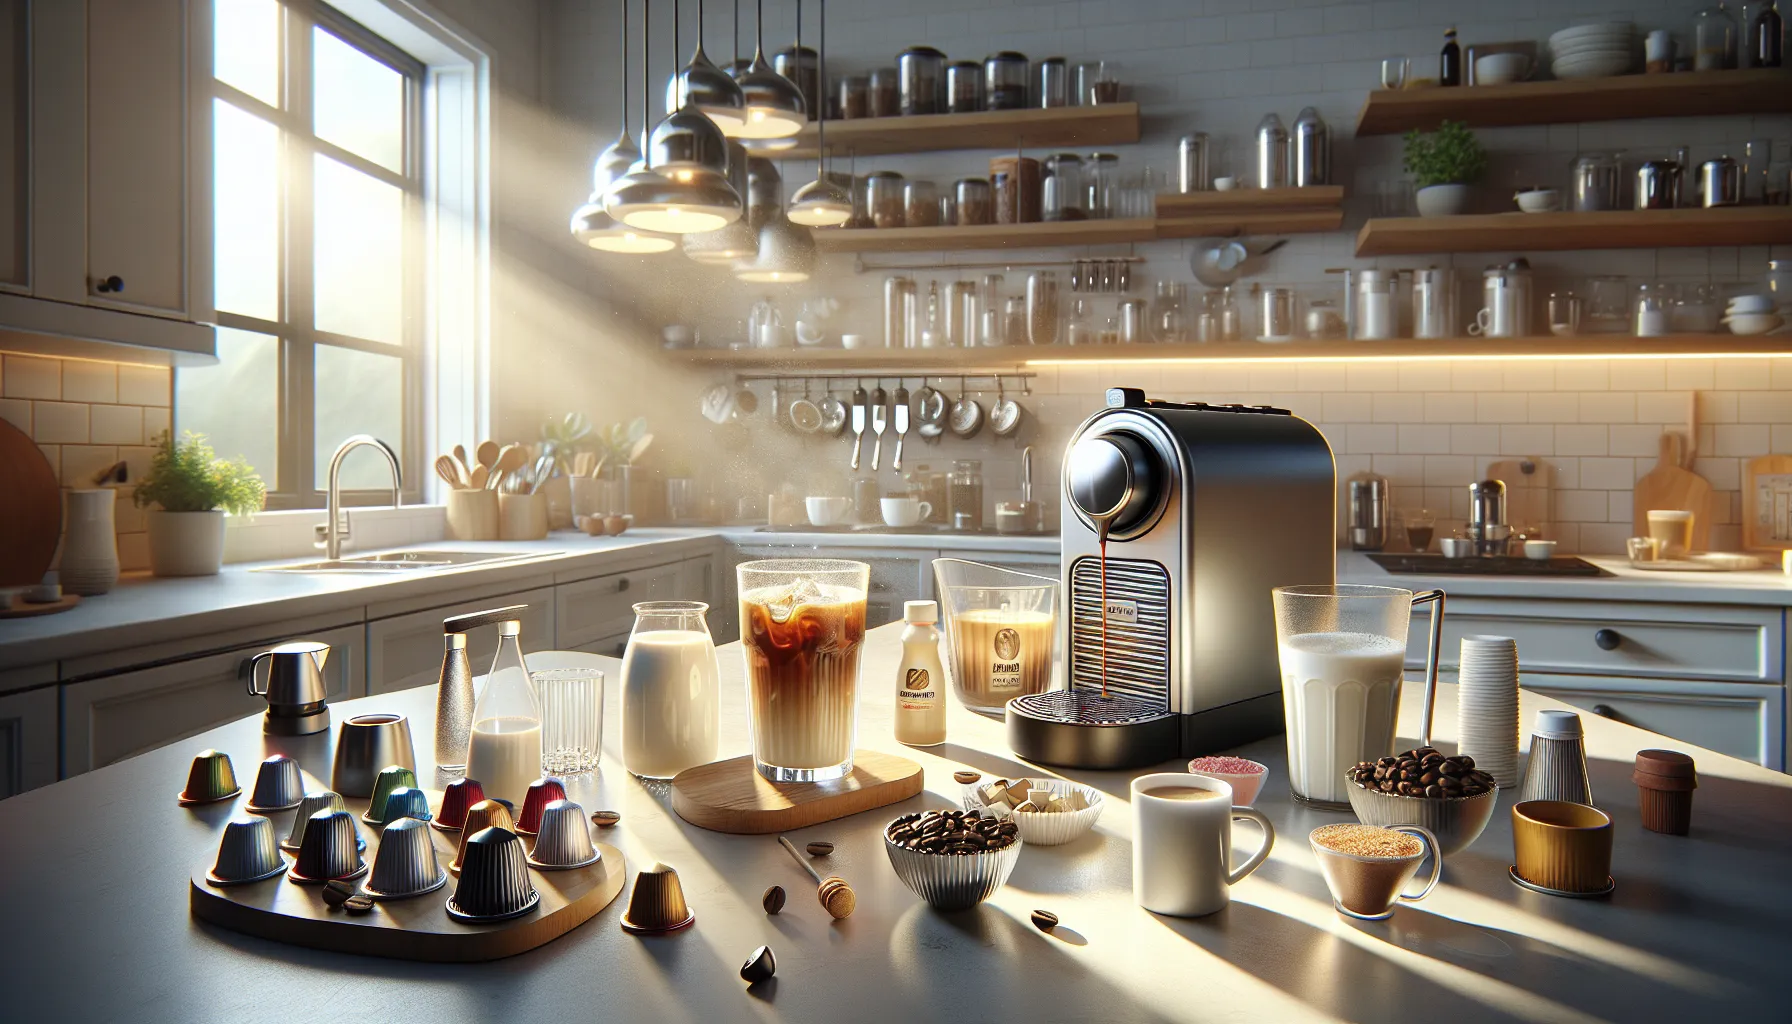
760	966
967	778
358	904
336	891
952	832
1044	920
820	848
605	819
1423	772
773	900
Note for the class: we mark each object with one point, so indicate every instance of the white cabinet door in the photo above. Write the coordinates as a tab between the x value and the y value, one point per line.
27	740
15	149
406	650
697	582
113	717
602	607
1745	720
609	646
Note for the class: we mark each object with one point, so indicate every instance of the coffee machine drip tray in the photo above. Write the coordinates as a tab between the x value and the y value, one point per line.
1498	565
1085	729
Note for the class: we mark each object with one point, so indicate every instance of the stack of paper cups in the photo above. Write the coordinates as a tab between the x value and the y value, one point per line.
1487	705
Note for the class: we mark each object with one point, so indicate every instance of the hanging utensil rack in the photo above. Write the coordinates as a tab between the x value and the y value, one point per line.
829	379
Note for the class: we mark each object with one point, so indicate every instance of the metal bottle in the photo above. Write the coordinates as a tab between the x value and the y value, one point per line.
1191	163
1310	150
1272	153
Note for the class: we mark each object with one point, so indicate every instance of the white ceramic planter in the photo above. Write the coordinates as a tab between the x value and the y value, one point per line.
89	565
1442	200
185	543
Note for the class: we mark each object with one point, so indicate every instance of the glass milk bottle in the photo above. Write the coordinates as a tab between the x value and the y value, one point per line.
920	679
504	754
670	708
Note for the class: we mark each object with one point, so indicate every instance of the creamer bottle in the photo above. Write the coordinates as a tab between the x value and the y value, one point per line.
920	681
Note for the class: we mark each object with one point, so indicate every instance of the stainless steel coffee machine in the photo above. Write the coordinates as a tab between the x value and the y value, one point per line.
1169	642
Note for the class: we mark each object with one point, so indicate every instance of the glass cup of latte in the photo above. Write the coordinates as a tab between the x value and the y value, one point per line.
1001	629
802	623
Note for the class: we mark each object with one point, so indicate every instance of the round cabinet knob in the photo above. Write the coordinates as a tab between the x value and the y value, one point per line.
109	285
1608	639
1606	711
1113	477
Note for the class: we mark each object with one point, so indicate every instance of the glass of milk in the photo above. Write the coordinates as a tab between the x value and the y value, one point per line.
671	711
1343	656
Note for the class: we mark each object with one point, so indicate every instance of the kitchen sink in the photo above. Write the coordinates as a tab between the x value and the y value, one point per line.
404	561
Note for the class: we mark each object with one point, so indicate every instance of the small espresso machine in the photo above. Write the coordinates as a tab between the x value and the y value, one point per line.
1202	510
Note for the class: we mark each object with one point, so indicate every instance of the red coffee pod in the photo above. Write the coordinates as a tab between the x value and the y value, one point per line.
542	792
460	795
1665	780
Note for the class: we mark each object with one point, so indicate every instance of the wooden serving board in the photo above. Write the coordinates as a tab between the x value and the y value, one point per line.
731	795
418	928
24	610
1670	485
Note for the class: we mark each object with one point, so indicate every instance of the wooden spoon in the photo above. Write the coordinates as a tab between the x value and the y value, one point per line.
487	453
449	471
460	456
509	461
478	477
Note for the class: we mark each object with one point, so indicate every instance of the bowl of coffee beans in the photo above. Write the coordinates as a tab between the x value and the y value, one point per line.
952	859
1447	795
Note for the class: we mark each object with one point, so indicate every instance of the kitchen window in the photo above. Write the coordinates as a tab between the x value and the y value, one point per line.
318	188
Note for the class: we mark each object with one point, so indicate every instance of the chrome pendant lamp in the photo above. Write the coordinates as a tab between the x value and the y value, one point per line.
739	240
711	90
682	186
822	203
786	251
774	105
591	224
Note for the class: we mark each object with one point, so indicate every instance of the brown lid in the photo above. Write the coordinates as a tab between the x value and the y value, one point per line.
1670	763
1665	783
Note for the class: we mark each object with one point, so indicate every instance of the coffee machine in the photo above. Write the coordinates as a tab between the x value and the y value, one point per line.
1169	642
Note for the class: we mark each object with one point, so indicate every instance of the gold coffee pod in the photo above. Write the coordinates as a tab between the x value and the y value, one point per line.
657	905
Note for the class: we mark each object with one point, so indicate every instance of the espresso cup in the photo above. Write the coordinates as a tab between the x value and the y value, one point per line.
1672	530
1562	846
827	511
1367	885
904	511
1182	840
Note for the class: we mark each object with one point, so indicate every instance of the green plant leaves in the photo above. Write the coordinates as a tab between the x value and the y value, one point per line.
189	477
1449	156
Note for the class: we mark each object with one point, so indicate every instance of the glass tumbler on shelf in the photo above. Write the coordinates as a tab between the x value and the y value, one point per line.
671	715
572	718
1714	35
802	623
1042	307
1393	72
1169	323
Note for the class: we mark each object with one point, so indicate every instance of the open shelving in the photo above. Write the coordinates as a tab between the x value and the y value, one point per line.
1606	229
1107	124
1245	211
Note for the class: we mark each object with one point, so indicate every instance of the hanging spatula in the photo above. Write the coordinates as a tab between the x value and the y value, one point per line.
901	417
859	400
880	420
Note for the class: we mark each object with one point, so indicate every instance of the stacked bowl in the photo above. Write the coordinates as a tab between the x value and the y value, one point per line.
1593	51
1751	314
1487	705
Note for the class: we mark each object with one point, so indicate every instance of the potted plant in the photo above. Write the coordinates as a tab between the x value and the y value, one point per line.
192	489
1444	163
563	439
621	447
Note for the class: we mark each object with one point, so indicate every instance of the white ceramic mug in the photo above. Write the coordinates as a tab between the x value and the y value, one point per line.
904	511
827	511
1180	847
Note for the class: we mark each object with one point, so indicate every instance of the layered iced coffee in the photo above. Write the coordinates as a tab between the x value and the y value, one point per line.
802	624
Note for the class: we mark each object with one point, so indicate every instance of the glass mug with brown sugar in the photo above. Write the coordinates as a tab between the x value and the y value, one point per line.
1367	866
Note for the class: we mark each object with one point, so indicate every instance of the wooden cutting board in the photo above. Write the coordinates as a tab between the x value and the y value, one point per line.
731	796
1670	485
30	509
1530	484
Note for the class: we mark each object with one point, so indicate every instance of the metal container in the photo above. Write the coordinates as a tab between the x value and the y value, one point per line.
1371	505
883	199
1275	314
1506	310
964	87
1594	182
1720	182
1272	153
802	66
1434	303
1005	81
1564	313
1191	163
365	745
899	295
1657	185
920	80
1052	83
294	686
1132	322
1487	530
1310	150
1377	316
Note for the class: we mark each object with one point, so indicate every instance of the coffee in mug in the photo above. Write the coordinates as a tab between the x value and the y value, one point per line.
1184	793
1366	867
1183	841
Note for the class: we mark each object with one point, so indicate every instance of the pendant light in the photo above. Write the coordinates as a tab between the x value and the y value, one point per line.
683	184
786	251
775	107
739	240
711	90
590	223
822	203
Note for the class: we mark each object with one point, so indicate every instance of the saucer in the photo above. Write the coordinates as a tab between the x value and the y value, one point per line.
1534	887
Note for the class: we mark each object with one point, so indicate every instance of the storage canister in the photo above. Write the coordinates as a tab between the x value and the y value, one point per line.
921	80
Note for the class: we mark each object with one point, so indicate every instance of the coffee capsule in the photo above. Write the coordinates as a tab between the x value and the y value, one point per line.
390	778
364	745
248	852
328	850
314	801
657	905
405	802
406	864
542	792
278	786
564	840
484	814
494	878
460	795
759	967
210	779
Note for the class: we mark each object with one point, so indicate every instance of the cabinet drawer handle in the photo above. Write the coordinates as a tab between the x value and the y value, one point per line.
113	284
1607	639
622	584
1606	711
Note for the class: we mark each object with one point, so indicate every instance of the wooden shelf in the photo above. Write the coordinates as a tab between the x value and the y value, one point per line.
1684	94
1617	229
1250	211
1109	124
1044	234
953	361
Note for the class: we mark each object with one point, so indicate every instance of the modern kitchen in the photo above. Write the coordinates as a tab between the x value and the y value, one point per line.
501	499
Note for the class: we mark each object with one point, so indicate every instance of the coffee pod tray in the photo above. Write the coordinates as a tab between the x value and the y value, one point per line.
416	928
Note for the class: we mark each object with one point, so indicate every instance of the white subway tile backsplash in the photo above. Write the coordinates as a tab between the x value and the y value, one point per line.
1583	375
1529	375
1618	510
1722	472
145	385
1349	407
1638	374
1764	407
1554	407
59	422
1582	439
1526	439
1474	439
84	381
82	462
1501	407
31	377
1635	440
1373	439
1662	406
16	411
117	424
1581	506
1744	374
1424	439
1607	407
1399	407
1607	474
156	421
1740	439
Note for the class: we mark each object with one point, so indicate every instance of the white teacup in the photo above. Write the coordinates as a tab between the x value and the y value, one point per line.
905	511
825	511
1180	846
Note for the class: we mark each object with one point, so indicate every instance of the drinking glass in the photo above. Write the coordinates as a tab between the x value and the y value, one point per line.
1393	72
1343	657
1001	627
1420	524
1042	307
802	622
572	718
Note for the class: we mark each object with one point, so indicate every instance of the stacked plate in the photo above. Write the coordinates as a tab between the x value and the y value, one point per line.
1487	705
1593	51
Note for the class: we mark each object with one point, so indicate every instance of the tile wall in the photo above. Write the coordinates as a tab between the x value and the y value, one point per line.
87	415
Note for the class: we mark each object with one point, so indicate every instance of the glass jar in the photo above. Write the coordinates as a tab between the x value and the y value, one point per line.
1005	81
1101	172
1324	321
1713	39
964	87
1052	83
885	92
1015	180
671	711
1062	190
855	97
1168	321
1650	307
964	489
1014	321
883	199
920	204
1079	326
921	80
974	203
1105	87
1607	307
802	66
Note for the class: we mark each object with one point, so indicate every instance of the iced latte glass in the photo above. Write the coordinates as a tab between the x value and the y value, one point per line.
802	622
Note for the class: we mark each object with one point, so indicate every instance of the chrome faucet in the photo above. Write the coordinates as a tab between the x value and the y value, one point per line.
331	531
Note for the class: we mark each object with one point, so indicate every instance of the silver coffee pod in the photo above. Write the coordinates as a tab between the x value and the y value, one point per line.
278	786
406	864
365	744
314	801
329	849
248	852
564	840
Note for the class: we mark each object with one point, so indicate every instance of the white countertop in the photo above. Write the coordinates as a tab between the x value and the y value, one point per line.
1757	587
